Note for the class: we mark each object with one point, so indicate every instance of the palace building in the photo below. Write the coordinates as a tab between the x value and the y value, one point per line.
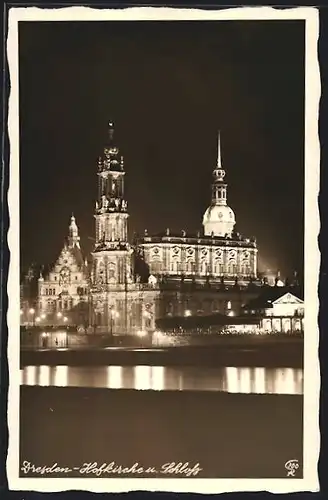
215	254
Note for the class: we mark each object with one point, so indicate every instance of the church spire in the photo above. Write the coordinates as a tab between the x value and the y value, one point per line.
219	164
219	218
111	159
73	234
219	188
111	129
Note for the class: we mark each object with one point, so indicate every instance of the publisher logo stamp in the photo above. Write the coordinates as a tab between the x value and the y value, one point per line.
291	467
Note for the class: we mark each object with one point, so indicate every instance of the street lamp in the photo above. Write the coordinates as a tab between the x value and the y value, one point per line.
43	316
65	321
32	313
147	315
141	333
187	313
113	314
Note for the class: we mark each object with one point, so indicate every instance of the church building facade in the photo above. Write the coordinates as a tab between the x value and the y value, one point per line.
132	285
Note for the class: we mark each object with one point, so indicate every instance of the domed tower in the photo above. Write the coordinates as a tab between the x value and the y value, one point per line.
219	218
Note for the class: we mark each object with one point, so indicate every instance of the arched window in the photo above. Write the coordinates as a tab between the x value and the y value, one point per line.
156	266
203	267
174	266
189	266
217	268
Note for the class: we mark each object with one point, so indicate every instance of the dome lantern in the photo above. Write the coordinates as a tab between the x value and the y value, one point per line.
219	218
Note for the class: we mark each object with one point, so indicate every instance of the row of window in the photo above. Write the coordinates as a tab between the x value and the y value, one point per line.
53	304
205	306
158	266
52	291
55	278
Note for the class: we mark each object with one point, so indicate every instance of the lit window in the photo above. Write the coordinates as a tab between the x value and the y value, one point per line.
229	305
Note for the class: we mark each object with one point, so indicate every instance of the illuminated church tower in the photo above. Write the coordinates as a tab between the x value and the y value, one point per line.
111	208
219	218
112	255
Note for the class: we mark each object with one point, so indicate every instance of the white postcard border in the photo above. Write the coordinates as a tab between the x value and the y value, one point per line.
312	255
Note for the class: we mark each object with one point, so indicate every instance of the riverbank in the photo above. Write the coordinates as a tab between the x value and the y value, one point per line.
230	352
228	435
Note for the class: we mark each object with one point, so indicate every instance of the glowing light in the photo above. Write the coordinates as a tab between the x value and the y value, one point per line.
32	311
43	316
21	312
114	313
157	378
187	313
245	380
65	319
259	382
60	376
142	377
114	377
44	375
30	375
141	333
59	315
231	313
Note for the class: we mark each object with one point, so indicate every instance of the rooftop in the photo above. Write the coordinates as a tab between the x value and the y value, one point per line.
168	236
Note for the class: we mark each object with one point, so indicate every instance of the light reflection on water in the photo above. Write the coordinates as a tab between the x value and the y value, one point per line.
244	380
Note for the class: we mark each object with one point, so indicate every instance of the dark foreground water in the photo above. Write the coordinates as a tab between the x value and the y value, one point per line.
228	435
231	379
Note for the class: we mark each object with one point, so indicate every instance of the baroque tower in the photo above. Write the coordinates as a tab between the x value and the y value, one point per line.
111	208
219	218
112	254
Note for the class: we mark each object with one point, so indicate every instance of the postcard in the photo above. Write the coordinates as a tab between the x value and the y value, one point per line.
164	174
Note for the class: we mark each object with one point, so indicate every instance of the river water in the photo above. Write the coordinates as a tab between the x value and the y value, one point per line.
230	379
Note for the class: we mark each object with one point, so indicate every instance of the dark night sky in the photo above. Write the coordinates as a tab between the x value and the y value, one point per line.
169	87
